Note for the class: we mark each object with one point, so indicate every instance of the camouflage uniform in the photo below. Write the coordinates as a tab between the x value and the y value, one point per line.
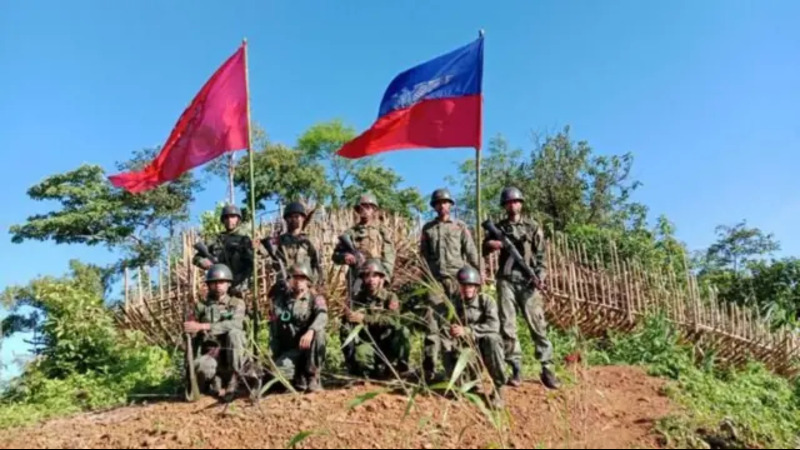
373	242
291	319
235	250
516	291
480	317
298	250
223	347
388	332
446	246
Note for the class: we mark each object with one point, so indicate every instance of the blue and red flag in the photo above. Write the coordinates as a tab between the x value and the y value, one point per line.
435	104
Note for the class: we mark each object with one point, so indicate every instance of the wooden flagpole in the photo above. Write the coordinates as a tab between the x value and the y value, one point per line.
252	193
478	240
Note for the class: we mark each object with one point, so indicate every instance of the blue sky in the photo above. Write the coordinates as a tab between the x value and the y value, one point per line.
705	94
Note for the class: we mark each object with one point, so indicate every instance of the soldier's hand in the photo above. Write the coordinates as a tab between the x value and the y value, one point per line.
356	318
350	259
394	305
206	264
306	340
495	245
193	327
456	331
539	285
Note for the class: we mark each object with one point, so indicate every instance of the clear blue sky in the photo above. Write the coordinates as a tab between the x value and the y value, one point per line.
706	94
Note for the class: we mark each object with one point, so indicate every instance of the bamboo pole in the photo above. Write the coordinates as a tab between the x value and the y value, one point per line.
127	292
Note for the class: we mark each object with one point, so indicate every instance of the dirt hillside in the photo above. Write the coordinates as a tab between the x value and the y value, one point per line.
610	407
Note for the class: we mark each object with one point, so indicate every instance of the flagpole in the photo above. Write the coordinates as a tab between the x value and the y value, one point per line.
478	239
252	195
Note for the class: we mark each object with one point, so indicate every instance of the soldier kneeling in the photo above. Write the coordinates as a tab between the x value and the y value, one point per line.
479	325
378	310
219	328
297	331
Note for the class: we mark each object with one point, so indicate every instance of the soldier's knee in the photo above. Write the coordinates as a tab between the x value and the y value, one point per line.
206	367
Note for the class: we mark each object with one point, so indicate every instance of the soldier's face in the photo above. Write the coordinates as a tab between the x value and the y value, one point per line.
514	207
299	285
366	212
373	281
443	208
295	221
219	288
231	222
469	291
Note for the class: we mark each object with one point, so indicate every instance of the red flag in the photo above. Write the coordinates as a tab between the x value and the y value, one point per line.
214	123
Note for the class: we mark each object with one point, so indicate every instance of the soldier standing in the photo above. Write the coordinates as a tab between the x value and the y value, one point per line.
233	248
378	309
297	331
294	246
219	328
476	323
446	246
516	291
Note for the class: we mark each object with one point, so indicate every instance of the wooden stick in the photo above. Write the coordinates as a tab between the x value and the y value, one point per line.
126	287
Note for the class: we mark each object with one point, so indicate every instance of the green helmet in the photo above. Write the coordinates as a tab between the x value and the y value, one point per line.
219	272
300	270
510	194
373	266
231	210
294	208
441	195
367	199
468	275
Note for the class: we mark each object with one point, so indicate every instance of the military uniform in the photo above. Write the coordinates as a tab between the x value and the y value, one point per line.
291	319
235	250
222	348
446	246
373	242
298	250
516	291
479	316
385	327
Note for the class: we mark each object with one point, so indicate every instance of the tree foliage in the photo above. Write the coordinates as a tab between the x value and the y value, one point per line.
740	266
83	361
93	212
569	188
312	173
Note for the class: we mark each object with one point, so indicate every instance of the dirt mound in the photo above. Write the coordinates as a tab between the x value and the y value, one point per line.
611	407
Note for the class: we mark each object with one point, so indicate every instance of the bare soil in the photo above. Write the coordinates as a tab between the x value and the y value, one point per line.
607	407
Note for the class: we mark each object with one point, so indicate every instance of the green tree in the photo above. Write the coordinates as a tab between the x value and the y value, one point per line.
83	360
93	212
312	173
564	182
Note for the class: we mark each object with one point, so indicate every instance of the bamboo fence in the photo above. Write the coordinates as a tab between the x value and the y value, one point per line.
596	294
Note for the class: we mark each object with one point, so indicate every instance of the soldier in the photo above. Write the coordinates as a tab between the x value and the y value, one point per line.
297	331
447	246
219	328
294	246
476	322
378	309
233	248
515	290
371	240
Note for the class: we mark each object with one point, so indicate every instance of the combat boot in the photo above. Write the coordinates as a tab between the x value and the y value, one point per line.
315	385
516	375
549	379
301	383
